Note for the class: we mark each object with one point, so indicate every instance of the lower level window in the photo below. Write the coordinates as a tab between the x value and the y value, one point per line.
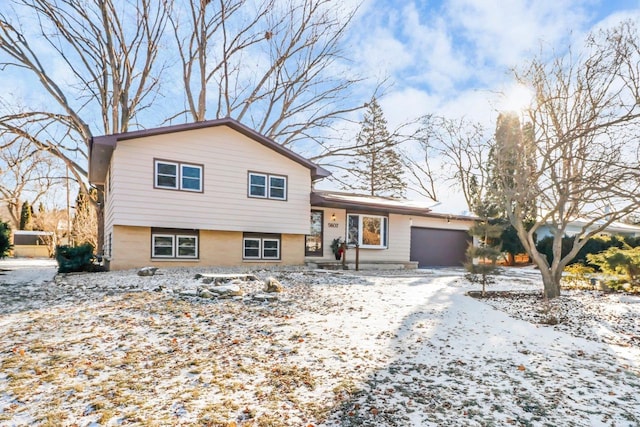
261	246
167	244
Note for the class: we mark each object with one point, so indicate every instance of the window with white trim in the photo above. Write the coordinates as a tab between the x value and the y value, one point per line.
277	187
267	186
257	185
178	176
163	245
174	244
367	231
261	247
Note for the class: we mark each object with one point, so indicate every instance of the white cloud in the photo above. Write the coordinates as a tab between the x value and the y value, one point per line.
436	61
504	33
403	105
382	54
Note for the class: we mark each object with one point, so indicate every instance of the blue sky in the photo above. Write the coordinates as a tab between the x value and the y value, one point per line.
454	57
450	57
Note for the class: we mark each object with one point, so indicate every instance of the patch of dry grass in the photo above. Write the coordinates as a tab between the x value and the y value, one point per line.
123	358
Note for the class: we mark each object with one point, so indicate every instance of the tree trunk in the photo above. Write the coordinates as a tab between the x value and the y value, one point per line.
511	259
551	283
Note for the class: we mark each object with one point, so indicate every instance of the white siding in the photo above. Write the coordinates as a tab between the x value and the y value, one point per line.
227	156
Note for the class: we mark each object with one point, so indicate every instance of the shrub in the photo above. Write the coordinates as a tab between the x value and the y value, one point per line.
577	276
5	239
593	246
625	262
74	258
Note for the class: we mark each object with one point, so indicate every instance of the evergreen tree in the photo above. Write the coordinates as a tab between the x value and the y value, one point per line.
5	239
483	257
26	217
376	166
512	157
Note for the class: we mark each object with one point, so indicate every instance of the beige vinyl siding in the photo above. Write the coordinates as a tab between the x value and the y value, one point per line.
399	244
108	213
442	223
227	157
216	248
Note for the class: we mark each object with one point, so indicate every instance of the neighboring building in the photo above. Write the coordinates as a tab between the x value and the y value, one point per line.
577	226
33	244
218	193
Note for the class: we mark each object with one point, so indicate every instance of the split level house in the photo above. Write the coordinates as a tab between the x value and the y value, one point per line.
217	193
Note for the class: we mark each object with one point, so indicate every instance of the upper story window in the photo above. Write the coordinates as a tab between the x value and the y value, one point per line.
267	186
178	176
367	231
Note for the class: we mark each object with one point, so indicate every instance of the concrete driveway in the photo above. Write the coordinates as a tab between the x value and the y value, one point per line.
33	271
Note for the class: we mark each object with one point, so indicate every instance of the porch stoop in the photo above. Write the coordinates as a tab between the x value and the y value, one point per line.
365	265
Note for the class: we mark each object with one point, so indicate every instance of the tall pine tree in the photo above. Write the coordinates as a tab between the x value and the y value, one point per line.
512	157
375	165
26	216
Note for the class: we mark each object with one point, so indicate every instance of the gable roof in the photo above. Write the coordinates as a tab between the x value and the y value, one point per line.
101	147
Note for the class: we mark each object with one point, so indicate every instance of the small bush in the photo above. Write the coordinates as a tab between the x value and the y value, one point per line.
624	262
593	246
74	258
5	239
578	276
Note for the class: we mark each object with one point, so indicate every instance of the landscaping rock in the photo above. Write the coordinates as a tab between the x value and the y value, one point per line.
205	293
189	292
265	297
273	286
223	278
226	291
147	271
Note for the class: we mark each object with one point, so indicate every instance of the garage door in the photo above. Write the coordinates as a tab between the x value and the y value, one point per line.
433	247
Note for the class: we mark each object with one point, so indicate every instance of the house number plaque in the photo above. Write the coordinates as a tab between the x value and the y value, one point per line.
333	225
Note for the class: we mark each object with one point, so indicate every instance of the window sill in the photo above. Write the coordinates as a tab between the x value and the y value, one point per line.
261	260
176	259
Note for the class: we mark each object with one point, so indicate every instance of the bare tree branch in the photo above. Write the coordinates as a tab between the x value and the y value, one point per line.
586	123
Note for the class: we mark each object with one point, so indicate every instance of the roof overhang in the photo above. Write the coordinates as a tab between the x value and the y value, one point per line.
369	204
359	203
101	147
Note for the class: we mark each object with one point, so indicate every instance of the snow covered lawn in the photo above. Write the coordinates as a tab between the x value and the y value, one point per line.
337	349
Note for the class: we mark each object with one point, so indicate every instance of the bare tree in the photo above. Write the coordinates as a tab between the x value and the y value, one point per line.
51	221
84	220
455	150
105	70
275	65
585	122
26	173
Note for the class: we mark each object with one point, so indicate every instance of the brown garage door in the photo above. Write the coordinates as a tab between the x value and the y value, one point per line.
433	247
